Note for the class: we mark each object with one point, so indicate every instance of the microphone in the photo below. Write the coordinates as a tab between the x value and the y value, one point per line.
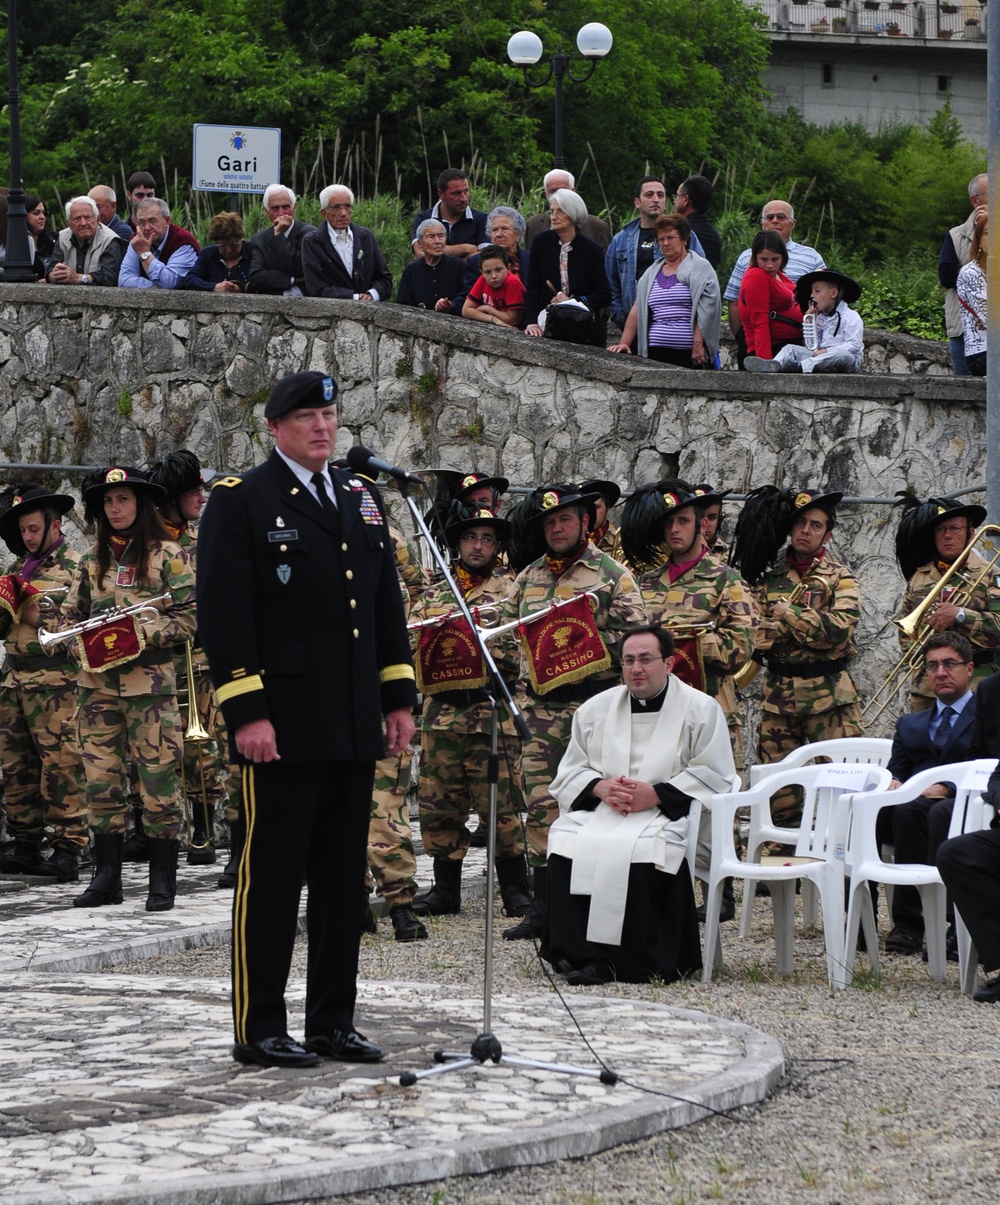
363	460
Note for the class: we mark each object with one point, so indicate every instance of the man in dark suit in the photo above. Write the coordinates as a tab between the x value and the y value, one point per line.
923	739
276	253
970	864
301	617
341	259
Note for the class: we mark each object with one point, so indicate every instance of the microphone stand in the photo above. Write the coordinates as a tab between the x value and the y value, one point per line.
486	1047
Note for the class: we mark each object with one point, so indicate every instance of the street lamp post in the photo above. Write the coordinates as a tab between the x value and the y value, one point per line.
525	49
18	261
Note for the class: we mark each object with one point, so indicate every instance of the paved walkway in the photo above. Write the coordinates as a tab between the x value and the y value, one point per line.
120	1088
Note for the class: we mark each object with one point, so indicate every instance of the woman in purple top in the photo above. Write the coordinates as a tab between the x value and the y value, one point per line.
678	306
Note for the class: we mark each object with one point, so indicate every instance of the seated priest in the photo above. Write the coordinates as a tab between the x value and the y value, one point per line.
621	904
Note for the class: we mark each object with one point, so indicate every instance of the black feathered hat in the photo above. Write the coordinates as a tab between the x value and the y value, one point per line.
643	517
610	491
24	500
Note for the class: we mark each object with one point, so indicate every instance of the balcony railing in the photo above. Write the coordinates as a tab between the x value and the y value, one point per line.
878	18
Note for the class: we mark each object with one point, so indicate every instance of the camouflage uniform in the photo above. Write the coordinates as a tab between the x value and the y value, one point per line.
550	716
981	627
42	773
455	745
707	591
132	711
817	635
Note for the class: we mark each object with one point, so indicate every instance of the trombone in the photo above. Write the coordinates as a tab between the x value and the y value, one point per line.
915	626
100	620
197	734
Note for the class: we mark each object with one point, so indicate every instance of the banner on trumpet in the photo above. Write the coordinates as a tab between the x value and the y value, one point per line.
563	644
448	658
113	644
15	594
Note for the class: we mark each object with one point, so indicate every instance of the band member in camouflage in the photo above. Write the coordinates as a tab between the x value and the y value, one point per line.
604	534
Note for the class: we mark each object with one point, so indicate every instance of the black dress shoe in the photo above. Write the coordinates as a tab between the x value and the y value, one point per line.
590	974
727	910
989	993
281	1051
903	939
345	1044
950	946
405	925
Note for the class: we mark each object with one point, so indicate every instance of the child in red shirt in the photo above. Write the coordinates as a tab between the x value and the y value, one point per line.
497	296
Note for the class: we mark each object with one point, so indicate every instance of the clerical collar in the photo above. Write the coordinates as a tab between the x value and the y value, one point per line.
644	706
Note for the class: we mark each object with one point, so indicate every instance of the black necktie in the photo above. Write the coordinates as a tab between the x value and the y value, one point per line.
944	729
319	481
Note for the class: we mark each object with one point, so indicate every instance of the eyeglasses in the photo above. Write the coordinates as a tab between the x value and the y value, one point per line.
470	537
776	217
644	659
933	667
334	208
952	529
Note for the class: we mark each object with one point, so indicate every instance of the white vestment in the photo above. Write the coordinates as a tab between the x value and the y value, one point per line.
686	744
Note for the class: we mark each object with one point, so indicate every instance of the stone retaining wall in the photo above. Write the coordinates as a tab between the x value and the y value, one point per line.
90	376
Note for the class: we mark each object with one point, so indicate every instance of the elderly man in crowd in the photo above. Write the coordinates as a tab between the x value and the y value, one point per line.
466	226
106	200
160	254
276	253
779	216
433	280
593	227
342	259
87	253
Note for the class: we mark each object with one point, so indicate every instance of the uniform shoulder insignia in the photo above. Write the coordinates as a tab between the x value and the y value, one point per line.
228	482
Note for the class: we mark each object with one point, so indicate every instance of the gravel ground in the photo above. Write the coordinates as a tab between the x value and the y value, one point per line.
891	1093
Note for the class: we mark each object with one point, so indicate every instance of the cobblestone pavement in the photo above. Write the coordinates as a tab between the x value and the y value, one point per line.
119	1087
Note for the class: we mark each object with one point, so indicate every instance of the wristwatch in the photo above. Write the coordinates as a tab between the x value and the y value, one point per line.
85	279
146	255
960	615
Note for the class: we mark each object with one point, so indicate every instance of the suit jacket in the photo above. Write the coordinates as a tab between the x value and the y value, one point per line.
986	732
301	614
276	260
911	743
326	275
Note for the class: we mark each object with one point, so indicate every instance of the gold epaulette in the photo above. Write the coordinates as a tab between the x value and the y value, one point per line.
228	482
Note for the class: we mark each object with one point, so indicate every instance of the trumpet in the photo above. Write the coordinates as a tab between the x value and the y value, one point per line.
749	670
46	638
46	601
688	631
477	613
915	626
492	633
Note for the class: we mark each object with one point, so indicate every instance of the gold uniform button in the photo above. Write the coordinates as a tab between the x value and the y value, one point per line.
353	604
343	548
350	575
356	633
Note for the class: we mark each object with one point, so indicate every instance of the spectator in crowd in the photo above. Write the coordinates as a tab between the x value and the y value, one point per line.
677	313
276	253
161	254
634	247
778	217
823	298
41	237
224	266
505	227
590	226
566	265
955	253
433	280
497	296
341	259
140	186
87	252
691	201
970	288
106	200
769	314
39	267
466	226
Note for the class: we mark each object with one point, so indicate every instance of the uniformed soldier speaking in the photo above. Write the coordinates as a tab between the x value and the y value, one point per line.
301	617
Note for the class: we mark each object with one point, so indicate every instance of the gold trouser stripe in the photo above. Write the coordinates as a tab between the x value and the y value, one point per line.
392	672
241	974
242	686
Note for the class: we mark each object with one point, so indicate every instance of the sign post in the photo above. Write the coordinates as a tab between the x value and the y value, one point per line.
235	158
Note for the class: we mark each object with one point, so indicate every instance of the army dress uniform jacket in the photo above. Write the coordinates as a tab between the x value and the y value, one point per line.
29	666
806	654
708	592
301	615
153	673
464	710
619	607
982	616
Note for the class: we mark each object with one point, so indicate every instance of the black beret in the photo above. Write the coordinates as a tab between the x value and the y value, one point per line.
300	390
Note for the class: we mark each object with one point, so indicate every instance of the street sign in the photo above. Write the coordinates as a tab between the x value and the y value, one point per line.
235	158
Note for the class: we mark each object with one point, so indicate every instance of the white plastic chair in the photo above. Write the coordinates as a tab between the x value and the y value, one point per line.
819	844
863	863
700	873
978	815
866	750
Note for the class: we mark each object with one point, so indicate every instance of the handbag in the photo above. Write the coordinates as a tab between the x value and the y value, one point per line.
570	321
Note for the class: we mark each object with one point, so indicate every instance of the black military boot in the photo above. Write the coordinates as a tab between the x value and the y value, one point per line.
137	846
201	847
512	877
405	925
727	909
236	836
63	866
445	897
534	922
162	874
106	884
25	859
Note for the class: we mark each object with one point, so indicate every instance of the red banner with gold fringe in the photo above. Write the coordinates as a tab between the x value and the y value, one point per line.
563	646
448	658
112	644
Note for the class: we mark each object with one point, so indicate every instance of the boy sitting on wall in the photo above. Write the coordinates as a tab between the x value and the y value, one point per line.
825	296
498	295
